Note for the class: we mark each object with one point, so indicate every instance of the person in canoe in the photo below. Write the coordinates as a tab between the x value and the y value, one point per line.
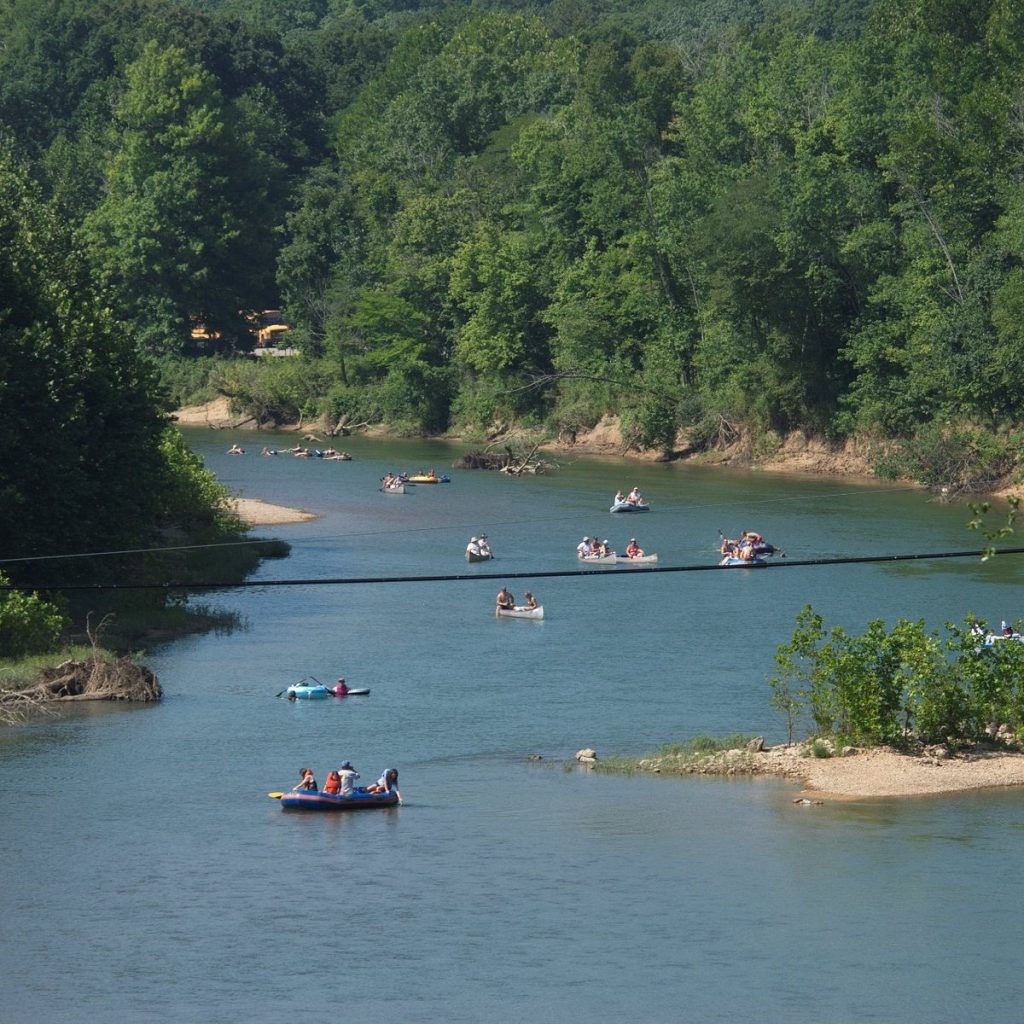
505	599
485	547
604	550
633	550
387	783
473	547
583	548
531	601
348	776
307	780
332	786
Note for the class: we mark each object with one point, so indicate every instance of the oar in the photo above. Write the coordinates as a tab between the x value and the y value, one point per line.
275	796
287	688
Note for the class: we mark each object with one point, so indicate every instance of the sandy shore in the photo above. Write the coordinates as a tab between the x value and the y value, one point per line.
263	513
885	773
860	775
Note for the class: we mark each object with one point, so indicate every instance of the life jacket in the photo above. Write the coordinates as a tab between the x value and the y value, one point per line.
333	783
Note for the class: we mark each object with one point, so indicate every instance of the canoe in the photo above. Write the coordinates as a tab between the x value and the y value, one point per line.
304	800
617	559
470	557
307	692
630	506
520	612
393	489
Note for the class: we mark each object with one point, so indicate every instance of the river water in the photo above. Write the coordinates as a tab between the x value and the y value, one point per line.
149	877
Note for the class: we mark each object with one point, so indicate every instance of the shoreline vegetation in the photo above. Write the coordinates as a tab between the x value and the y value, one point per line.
795	454
854	774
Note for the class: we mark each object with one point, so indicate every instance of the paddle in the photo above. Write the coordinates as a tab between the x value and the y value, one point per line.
287	688
275	796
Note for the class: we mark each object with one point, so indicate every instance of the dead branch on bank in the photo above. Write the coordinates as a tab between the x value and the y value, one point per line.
512	458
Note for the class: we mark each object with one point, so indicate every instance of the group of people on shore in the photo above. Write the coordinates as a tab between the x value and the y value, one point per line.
506	600
342	782
479	547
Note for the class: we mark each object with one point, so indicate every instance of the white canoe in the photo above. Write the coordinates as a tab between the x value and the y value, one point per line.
616	559
470	557
393	489
520	612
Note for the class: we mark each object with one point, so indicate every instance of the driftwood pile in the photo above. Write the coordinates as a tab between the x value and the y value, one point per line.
506	458
92	679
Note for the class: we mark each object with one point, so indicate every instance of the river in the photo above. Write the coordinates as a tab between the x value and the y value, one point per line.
149	878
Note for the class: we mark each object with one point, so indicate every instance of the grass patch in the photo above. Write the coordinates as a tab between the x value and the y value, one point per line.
20	673
677	757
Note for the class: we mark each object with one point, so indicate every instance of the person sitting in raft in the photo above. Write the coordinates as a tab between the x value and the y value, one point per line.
753	538
473	547
729	548
635	497
333	784
341	688
308	782
348	778
619	497
387	783
633	550
235	450
505	600
531	601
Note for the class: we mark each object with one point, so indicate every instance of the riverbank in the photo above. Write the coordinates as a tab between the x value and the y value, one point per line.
264	513
860	774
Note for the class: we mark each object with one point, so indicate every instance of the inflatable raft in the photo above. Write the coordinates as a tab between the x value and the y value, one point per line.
304	800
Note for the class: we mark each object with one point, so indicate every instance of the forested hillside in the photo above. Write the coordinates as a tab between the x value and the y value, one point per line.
729	218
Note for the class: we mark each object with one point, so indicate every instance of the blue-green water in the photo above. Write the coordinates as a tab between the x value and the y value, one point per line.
149	878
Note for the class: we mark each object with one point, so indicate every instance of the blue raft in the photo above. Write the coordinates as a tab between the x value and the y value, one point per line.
360	800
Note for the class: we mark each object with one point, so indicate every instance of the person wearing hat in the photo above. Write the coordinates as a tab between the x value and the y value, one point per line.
340	688
485	547
633	550
348	778
473	547
583	548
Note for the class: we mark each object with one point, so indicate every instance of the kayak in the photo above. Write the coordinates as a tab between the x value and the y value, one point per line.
299	692
630	506
349	693
520	612
304	800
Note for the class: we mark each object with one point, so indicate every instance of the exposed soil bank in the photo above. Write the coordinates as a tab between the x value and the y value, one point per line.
263	513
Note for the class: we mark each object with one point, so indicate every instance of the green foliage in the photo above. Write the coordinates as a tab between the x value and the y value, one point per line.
741	218
893	686
28	624
953	460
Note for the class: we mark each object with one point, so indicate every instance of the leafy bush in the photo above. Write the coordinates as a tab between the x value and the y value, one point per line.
28	624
